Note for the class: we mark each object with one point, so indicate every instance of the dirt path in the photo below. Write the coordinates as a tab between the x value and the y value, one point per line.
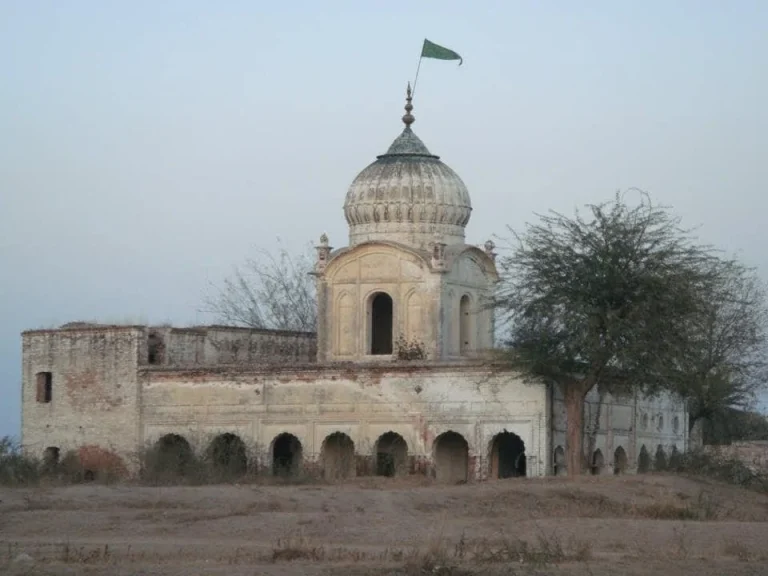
606	525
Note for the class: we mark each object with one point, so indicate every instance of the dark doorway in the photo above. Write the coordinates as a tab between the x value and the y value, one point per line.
286	455
51	458
381	324
391	455
598	463
228	456
507	456
643	461
172	456
619	461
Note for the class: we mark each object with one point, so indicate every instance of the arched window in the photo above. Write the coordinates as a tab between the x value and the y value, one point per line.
465	336
381	324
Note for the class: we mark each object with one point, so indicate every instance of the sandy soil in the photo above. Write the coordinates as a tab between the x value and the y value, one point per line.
371	527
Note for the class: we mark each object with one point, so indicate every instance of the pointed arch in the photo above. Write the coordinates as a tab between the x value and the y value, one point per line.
507	456
381	314
643	460
391	453
338	456
619	461
451	454
598	463
227	454
287	453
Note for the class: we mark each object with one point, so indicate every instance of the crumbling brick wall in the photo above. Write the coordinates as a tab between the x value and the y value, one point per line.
213	345
94	396
754	455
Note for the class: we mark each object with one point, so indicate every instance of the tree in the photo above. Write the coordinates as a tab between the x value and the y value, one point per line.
269	291
723	362
734	425
601	300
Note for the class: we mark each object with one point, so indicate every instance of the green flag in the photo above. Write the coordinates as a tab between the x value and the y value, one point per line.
432	50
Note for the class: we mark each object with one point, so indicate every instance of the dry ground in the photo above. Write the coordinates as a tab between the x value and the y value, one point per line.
374	527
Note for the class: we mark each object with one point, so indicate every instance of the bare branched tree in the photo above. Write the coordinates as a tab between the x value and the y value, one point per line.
274	291
606	299
724	360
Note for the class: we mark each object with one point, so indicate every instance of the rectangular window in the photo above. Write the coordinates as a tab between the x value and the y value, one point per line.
44	387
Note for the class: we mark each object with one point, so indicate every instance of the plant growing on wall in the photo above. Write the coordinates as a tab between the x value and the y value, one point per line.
408	350
609	299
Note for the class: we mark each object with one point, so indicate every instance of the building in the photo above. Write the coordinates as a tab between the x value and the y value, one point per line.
394	382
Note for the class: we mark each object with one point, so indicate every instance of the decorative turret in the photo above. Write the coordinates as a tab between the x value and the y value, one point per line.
323	251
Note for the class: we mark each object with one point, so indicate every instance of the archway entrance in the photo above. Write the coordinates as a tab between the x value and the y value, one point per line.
286	455
391	455
660	461
451	458
172	456
381	324
619	461
338	456
51	458
597	463
507	456
227	455
643	461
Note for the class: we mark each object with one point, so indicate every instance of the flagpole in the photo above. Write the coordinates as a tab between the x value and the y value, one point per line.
417	68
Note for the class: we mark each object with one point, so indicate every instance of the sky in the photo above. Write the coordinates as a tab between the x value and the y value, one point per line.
147	148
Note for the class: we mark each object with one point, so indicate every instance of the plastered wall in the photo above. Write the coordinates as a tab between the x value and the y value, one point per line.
311	403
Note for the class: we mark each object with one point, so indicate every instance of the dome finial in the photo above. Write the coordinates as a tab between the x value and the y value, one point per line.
408	119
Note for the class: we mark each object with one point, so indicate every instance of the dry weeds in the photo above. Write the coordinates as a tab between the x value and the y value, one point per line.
588	526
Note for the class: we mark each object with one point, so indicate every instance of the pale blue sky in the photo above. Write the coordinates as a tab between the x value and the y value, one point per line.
147	147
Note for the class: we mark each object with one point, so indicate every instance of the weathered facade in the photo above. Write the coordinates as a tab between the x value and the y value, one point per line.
394	382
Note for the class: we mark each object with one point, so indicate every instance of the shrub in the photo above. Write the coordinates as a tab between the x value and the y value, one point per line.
719	467
16	468
409	349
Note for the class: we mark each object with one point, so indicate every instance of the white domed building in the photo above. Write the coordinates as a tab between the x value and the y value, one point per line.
394	382
407	275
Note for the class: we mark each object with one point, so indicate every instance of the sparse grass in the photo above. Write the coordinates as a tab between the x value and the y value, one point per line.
736	549
287	550
16	469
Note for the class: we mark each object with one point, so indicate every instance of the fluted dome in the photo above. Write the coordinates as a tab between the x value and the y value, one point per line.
407	195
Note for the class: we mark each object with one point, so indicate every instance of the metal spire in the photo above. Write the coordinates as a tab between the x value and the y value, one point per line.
408	118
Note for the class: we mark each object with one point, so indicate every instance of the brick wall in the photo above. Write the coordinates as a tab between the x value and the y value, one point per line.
94	397
212	345
754	455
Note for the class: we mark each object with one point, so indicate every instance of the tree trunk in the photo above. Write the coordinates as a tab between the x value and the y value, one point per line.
574	393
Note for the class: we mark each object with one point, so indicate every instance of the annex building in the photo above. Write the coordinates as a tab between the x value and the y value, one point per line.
341	402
